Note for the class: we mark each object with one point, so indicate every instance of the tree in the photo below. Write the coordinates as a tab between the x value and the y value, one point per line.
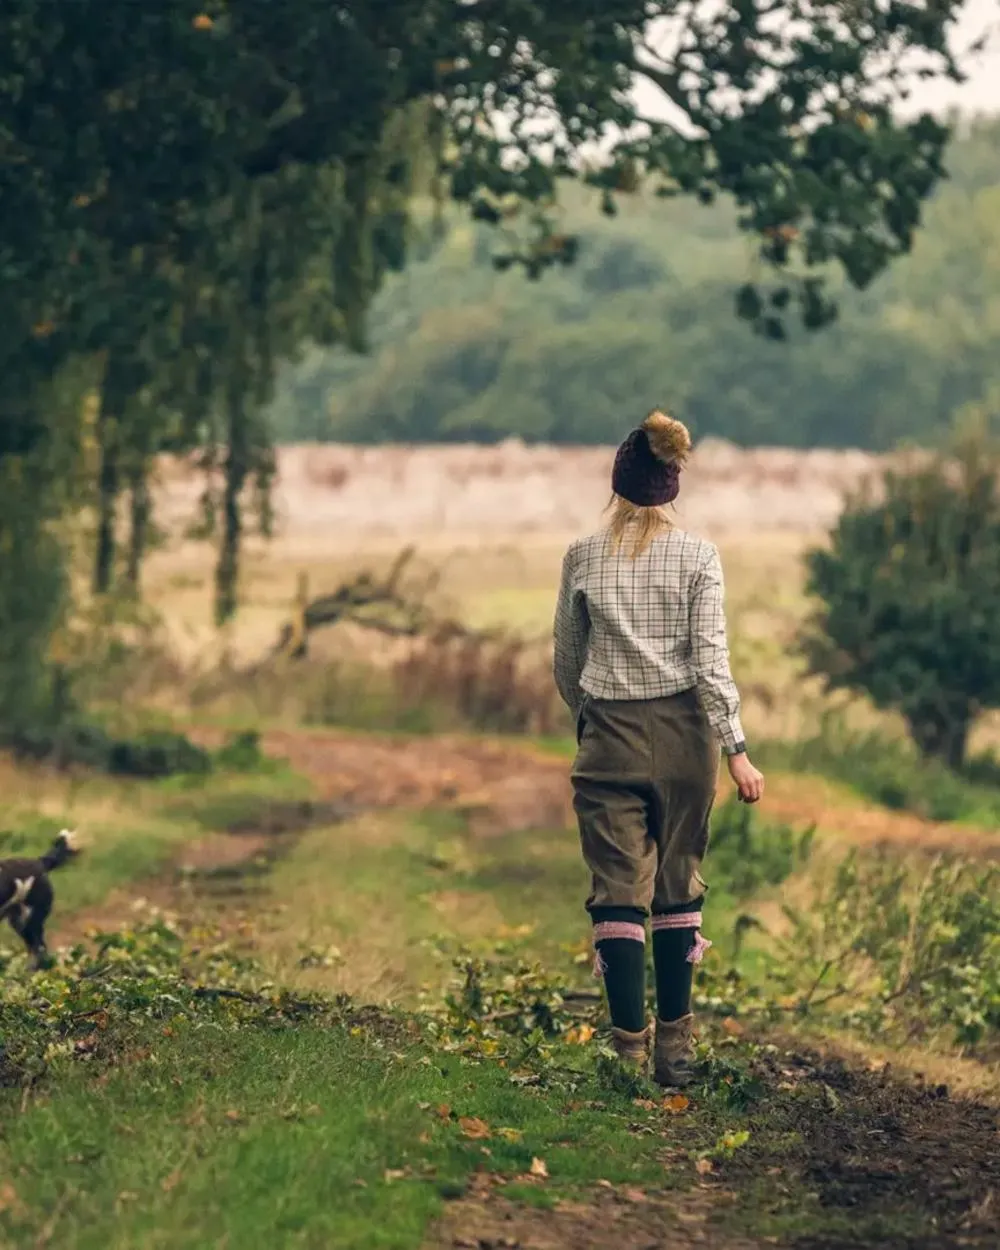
909	592
150	152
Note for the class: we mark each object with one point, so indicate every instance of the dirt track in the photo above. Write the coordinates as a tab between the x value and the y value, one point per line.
506	787
895	1165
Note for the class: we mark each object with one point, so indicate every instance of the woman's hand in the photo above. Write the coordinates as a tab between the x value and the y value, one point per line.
749	780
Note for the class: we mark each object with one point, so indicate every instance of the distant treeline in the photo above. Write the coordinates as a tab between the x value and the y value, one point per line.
646	315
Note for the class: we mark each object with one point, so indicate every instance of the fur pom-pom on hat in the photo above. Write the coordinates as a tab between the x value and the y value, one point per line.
669	439
648	464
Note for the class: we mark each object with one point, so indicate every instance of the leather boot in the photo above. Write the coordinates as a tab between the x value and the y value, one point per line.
631	1048
673	1052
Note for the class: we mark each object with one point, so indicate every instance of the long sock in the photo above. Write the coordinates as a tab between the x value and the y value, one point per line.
674	944
620	943
674	975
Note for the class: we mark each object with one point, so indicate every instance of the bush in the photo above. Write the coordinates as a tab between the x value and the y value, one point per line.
491	684
909	594
746	854
909	946
156	753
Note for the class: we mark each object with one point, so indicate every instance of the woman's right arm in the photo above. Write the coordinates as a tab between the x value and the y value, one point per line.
710	658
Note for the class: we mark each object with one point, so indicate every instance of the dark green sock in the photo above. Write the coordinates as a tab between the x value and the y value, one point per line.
625	982
674	974
624	963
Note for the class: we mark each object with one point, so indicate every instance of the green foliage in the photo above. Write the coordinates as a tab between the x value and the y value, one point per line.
891	772
147	754
459	353
214	189
910	947
909	592
749	855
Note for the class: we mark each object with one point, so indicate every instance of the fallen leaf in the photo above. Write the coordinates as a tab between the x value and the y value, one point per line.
580	1034
473	1127
9	1201
538	1168
202	22
394	1174
733	1027
704	1167
603	1184
646	1104
510	1134
634	1195
234	1116
443	1112
676	1105
170	1182
424	1139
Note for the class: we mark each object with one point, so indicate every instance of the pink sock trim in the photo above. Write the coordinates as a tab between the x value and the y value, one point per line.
619	929
696	953
609	929
681	920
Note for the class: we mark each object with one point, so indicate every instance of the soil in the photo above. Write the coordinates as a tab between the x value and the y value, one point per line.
623	1218
885	1163
499	788
505	787
873	1146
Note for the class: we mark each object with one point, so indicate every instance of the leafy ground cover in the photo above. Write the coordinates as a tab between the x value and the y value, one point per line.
213	1074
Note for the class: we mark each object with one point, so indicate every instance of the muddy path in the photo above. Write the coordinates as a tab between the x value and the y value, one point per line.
504	786
498	786
839	1158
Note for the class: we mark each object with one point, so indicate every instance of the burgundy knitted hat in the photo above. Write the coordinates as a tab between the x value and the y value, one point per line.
648	464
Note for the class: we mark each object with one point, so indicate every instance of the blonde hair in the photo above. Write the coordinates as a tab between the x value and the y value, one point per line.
670	442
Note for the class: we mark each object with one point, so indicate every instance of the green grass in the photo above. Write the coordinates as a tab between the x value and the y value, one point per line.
134	829
285	1139
889	771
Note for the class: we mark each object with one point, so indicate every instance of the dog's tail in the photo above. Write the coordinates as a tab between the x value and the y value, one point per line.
62	849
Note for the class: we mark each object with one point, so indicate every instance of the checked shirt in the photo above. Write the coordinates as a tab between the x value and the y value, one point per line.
646	628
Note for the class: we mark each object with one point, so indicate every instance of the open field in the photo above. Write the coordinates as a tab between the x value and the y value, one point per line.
339	994
491	524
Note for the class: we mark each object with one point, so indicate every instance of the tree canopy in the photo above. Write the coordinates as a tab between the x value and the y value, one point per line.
644	316
190	190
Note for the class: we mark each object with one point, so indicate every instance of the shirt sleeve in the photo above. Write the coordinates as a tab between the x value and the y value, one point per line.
570	635
710	653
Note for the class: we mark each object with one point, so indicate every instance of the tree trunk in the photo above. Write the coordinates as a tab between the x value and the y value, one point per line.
941	736
139	516
108	435
237	466
123	375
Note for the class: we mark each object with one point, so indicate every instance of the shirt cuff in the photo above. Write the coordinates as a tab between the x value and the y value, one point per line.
731	736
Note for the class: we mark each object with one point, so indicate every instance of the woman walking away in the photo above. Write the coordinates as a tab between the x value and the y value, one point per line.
642	661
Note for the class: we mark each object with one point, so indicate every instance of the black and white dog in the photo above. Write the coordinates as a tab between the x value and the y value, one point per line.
26	894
